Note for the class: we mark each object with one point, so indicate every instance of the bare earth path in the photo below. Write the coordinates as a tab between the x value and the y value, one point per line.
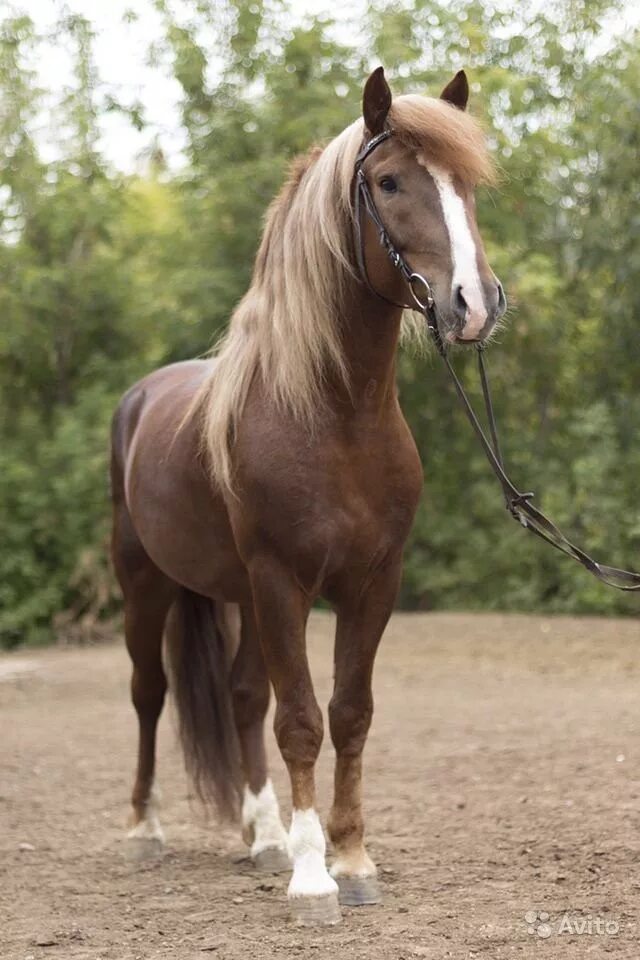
502	777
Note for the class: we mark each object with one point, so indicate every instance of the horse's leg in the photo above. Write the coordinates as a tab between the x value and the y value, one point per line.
361	622
261	824
144	626
281	610
147	597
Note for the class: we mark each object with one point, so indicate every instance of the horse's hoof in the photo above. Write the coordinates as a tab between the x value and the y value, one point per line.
315	911
358	891
138	849
272	860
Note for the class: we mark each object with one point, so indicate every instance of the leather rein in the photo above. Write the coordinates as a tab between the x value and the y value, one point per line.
518	504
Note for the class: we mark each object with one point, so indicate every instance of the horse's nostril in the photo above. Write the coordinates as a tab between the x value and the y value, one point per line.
458	303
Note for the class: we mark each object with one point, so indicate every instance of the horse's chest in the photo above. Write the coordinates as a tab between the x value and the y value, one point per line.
330	507
374	507
359	507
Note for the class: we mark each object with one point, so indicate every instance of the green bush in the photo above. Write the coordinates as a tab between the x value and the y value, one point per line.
54	519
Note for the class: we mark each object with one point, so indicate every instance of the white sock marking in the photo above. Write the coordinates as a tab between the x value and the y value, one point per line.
356	863
307	849
261	813
149	827
463	251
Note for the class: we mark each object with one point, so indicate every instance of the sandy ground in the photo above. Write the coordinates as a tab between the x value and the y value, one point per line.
502	779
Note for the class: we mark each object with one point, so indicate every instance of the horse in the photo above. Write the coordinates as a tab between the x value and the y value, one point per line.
281	470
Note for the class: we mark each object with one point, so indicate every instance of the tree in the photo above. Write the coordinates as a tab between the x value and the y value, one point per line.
107	276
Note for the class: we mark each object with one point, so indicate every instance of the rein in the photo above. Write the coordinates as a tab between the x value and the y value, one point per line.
518	504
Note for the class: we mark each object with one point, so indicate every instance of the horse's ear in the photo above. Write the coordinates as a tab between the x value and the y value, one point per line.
456	91
376	101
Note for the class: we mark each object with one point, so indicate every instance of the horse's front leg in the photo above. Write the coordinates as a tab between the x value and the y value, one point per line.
361	622
281	609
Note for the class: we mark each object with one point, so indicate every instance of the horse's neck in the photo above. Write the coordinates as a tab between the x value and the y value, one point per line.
370	333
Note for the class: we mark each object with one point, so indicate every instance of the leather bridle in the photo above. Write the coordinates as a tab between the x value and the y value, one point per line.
518	504
364	200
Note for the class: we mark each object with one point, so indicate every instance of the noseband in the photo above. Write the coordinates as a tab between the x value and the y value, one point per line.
518	504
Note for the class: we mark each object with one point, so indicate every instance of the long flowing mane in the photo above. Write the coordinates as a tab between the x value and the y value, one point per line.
286	328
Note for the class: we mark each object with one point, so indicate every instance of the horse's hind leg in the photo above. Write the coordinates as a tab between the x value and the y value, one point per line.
144	626
261	824
148	594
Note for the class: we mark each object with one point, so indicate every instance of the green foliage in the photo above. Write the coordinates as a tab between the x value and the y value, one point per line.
105	277
53	490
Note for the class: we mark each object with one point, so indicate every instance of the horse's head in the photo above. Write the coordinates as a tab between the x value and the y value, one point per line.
422	181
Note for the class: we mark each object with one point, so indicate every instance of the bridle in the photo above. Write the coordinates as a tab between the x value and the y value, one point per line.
364	200
518	504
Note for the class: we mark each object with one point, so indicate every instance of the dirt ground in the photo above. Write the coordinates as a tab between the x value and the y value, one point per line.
502	780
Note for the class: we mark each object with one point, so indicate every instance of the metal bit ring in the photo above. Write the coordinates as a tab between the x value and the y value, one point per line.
427	302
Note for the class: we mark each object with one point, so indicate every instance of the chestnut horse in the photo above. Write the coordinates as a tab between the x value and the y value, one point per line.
282	470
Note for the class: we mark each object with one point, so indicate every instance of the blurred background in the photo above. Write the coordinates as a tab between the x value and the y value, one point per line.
139	147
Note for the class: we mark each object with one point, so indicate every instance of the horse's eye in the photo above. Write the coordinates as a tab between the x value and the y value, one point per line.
388	185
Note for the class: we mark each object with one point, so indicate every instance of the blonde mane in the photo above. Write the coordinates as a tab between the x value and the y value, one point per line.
286	328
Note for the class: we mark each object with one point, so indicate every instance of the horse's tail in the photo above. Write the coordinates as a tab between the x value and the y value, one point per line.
199	671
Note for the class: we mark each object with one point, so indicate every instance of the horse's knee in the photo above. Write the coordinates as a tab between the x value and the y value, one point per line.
349	723
299	731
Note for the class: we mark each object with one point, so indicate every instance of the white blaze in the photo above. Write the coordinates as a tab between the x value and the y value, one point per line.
463	251
307	850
